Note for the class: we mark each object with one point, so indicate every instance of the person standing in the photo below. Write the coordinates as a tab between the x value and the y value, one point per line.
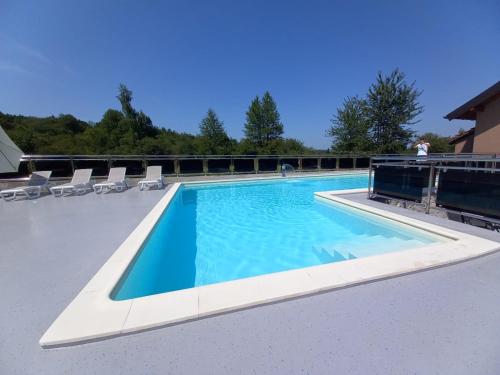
422	148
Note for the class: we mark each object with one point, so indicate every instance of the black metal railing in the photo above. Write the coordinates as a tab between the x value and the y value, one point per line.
468	183
182	165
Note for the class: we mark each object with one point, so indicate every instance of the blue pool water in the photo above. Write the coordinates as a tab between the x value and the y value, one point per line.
227	231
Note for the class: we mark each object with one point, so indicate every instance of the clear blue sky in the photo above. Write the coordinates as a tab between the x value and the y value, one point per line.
180	58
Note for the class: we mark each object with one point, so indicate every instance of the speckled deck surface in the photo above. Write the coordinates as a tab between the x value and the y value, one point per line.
443	321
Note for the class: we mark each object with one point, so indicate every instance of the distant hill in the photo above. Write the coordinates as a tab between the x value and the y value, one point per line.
116	134
44	135
131	132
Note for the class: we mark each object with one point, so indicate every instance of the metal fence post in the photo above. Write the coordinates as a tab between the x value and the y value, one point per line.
231	166
205	166
144	165
177	167
429	188
369	178
31	166
72	162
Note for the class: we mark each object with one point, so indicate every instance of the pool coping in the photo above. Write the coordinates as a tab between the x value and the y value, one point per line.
92	315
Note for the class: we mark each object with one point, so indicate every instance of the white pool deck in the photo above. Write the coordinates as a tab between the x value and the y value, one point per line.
52	247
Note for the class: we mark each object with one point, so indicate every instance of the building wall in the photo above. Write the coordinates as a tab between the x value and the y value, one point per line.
465	144
487	132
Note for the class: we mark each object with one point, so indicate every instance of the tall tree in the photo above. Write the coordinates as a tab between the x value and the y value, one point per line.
125	98
253	124
392	104
214	137
143	126
138	121
272	128
350	127
263	122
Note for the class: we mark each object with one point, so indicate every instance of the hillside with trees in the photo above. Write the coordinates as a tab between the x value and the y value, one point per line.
131	132
378	122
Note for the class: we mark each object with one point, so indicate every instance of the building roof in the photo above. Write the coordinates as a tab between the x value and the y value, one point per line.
469	110
458	137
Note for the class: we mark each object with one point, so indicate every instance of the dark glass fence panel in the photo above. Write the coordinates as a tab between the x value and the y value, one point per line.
244	165
191	166
328	163
346	163
59	168
476	192
61	165
400	182
22	171
292	161
134	167
362	162
268	165
218	165
310	163
167	166
99	167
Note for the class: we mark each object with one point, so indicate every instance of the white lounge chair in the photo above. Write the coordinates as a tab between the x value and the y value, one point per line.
115	181
37	181
153	178
80	183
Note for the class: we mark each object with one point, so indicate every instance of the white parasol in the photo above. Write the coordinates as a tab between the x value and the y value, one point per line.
10	154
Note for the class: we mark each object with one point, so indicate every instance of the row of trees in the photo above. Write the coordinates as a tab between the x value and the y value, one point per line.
380	121
131	131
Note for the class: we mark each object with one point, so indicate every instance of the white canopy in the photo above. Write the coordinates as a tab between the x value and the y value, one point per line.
10	154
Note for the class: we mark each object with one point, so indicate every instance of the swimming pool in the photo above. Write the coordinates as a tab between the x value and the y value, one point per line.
209	248
212	233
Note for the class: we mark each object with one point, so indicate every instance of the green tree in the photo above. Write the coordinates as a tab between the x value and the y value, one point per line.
131	131
47	135
392	104
140	123
253	125
125	99
350	127
263	124
143	126
272	128
214	139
